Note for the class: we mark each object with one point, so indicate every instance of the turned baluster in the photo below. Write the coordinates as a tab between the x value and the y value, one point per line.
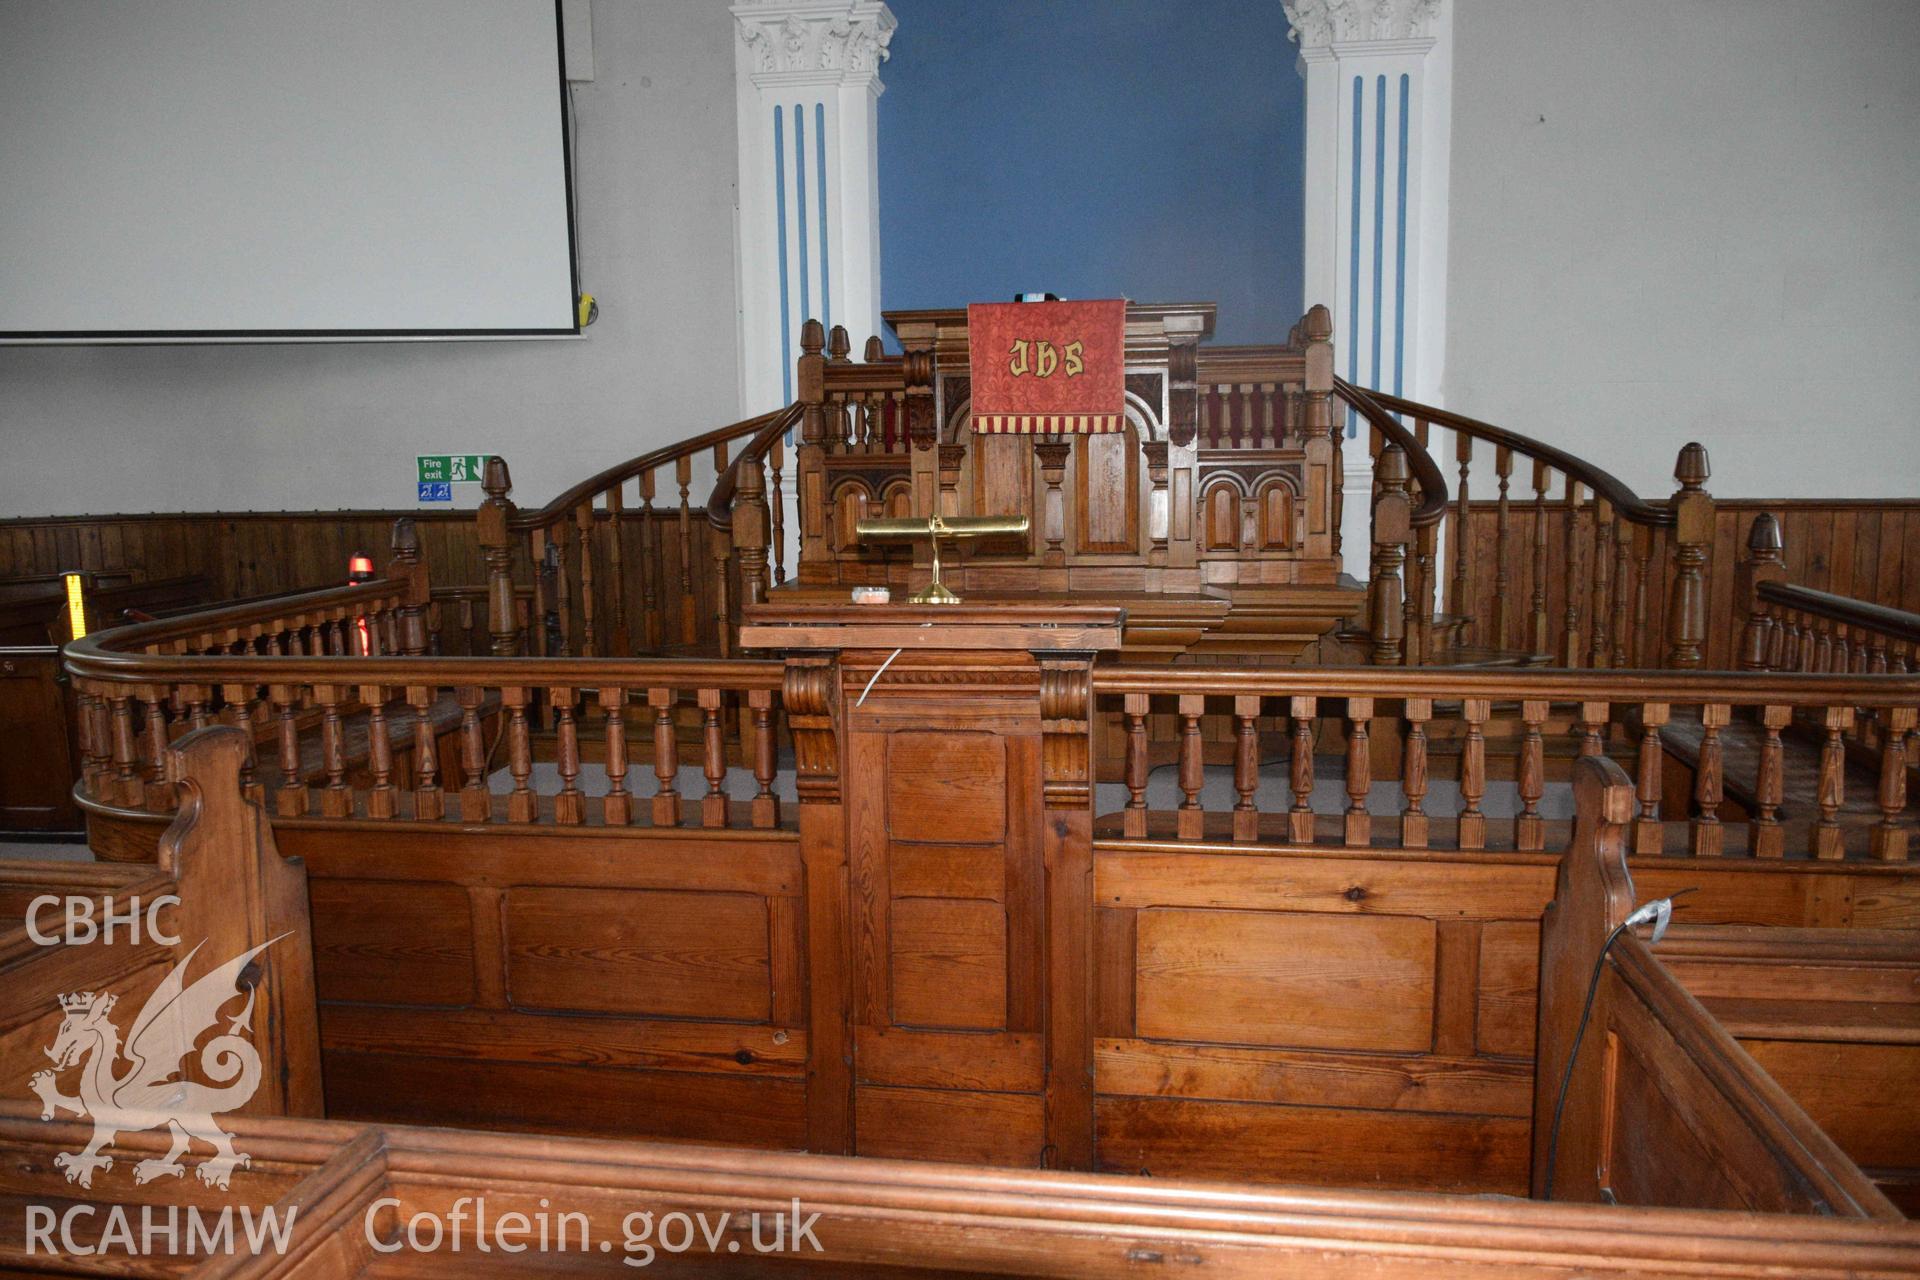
1134	820
720	551
776	462
159	788
1822	647
1647	643
1359	823
1300	769
1706	836
1192	818
1413	775
523	803
621	643
1426	537
569	805
1502	539
383	800
666	758
1692	549
196	697
689	624
1889	839
713	806
336	798
1622	564
1570	648
1246	766
290	799
476	803
616	807
1460	600
1766	837
126	754
766	805
1530	829
1537	614
1649	836
562	589
240	714
1473	773
1593	721
1831	791
429	802
1599	651
650	568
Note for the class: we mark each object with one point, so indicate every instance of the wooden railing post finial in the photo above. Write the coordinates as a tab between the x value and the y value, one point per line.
1692	510
1392	532
407	567
496	547
1765	562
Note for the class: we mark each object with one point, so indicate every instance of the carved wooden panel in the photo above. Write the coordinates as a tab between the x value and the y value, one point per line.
1274	528
1220	516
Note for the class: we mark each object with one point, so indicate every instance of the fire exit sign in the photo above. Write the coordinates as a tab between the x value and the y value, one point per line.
451	468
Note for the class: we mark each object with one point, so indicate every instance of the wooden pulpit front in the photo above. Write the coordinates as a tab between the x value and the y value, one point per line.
942	760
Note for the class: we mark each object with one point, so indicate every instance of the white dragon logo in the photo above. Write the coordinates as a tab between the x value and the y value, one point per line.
153	1092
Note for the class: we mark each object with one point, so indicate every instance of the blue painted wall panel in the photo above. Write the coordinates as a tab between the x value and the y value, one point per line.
1126	147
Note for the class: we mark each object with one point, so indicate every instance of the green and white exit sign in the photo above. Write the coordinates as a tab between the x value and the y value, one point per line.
451	468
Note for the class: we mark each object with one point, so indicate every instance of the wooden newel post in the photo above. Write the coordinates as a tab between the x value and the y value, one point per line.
751	521
1692	510
496	547
810	478
1392	531
1765	562
408	568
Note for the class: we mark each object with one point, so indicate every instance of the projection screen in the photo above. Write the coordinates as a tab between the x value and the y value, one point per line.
269	169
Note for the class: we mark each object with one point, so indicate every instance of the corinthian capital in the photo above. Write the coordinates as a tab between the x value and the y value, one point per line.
814	41
1319	23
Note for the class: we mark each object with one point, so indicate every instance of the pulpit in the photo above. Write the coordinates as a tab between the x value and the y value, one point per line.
942	756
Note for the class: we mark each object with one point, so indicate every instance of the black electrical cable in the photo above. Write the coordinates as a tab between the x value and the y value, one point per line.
1586	1013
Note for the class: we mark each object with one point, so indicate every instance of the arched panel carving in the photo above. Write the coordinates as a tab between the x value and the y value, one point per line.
1275	524
1220	515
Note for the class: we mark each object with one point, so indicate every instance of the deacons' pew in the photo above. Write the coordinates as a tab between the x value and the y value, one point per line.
1640	1096
218	888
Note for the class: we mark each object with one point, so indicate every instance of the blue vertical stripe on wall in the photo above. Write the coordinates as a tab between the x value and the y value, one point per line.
1353	256
1400	255
1379	213
800	201
820	163
780	238
1129	151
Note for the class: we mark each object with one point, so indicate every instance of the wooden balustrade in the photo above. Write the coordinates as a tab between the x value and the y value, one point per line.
1410	501
1577	571
1721	767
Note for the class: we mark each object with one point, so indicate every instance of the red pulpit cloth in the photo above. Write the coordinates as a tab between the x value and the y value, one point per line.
1046	367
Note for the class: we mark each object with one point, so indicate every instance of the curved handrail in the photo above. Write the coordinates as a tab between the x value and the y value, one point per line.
560	508
1627	504
1433	483
1896	624
116	644
720	501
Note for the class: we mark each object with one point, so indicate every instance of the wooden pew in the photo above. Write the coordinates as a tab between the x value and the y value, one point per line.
1640	1096
372	1200
231	892
1834	1017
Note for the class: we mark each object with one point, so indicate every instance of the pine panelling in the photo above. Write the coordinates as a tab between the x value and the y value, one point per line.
244	553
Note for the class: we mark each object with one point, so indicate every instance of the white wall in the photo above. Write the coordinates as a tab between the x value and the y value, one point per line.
1692	219
199	428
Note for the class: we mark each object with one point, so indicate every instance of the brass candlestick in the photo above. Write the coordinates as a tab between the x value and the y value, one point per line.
934	528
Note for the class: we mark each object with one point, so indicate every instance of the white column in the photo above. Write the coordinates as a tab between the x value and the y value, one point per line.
1379	89
808	220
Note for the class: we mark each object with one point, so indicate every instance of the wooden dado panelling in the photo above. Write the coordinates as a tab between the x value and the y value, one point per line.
622	985
1865	548
242	553
1361	1020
